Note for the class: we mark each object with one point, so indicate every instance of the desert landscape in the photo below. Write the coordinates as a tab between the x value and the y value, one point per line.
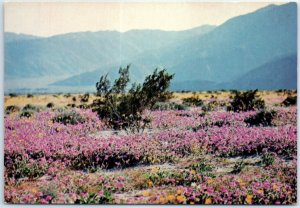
193	152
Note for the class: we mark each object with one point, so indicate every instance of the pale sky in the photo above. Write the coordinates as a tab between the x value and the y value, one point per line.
47	19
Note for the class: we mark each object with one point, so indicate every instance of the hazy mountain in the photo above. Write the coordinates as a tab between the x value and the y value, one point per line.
226	53
9	37
281	73
237	46
75	53
206	57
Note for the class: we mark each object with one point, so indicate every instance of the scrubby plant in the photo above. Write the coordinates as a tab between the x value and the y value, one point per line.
50	105
268	158
193	101
11	109
246	101
31	107
67	95
74	99
261	118
123	110
29	95
290	100
13	95
85	98
69	117
210	106
26	113
201	167
238	166
92	198
168	106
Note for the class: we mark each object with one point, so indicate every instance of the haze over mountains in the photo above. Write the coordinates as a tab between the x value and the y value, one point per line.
256	50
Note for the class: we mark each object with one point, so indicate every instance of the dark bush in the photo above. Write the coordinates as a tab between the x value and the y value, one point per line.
268	158
29	95
26	113
67	95
71	105
193	101
11	109
290	100
50	105
74	99
246	101
69	117
238	166
13	95
85	98
261	118
31	107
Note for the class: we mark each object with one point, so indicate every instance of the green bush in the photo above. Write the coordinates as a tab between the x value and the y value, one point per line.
23	168
123	110
238	166
246	101
93	198
268	158
168	106
69	117
261	118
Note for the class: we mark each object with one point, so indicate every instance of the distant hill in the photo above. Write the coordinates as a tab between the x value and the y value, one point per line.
281	73
75	53
236	54
237	46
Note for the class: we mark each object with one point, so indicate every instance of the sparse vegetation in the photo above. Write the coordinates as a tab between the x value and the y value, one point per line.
246	101
123	110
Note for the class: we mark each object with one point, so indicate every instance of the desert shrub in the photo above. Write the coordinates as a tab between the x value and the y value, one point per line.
67	95
29	95
193	101
123	110
11	109
83	106
290	100
71	105
13	95
201	167
268	158
85	98
168	106
210	106
18	167
246	101
50	105
92	198
69	117
238	166
27	113
261	118
31	108
74	99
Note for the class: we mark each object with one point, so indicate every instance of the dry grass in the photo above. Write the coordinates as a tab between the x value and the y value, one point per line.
61	100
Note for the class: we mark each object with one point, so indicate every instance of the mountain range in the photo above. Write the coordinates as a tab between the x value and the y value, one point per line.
256	50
